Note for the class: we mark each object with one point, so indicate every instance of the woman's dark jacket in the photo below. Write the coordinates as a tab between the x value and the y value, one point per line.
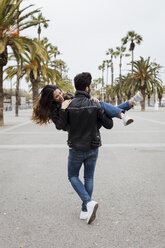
57	115
82	119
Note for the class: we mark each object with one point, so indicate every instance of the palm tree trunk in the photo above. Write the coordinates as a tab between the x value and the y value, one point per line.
107	75
102	97
17	83
149	101
39	32
133	86
112	96
112	74
17	92
106	92
1	96
143	102
120	93
160	98
35	87
154	97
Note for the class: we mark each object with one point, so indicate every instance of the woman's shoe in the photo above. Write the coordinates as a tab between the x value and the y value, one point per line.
126	119
83	215
137	98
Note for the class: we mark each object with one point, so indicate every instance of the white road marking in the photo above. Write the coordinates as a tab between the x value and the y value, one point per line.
131	131
14	127
36	133
147	145
33	146
151	120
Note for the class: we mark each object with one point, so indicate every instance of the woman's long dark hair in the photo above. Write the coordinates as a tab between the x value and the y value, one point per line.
43	106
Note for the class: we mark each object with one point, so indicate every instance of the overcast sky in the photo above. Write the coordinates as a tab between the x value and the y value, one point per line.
84	29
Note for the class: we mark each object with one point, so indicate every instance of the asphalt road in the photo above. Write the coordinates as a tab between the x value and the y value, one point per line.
39	208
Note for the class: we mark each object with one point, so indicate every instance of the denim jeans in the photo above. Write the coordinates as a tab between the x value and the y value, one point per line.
75	160
114	111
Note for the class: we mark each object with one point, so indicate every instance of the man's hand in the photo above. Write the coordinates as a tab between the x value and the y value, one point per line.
94	99
65	104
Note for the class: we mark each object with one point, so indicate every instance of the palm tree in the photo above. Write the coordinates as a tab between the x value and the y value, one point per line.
65	84
10	20
145	77
108	65
149	93
12	71
53	52
120	51
96	85
60	65
116	89
112	54
33	66
37	68
41	20
126	86
102	68
52	66
35	78
160	91
133	38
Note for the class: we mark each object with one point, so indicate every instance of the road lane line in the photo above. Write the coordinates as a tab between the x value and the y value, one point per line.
36	133
145	119
14	127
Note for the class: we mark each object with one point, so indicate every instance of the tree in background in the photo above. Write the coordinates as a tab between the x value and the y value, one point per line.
41	20
120	51
65	84
10	20
96	88
107	65
30	66
133	38
146	77
102	68
112	54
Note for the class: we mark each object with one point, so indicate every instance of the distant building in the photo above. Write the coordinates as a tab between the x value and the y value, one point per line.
9	103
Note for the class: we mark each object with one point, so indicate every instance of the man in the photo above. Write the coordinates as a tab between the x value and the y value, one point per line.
82	120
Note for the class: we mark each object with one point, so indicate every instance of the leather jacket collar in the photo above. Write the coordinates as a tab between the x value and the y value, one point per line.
80	93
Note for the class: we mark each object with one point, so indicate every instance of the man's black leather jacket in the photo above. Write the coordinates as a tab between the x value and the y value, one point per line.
82	120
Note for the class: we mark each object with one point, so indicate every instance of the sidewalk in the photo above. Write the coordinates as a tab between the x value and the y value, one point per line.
10	118
40	209
25	115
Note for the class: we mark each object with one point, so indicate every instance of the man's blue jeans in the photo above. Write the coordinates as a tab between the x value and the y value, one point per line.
75	160
114	111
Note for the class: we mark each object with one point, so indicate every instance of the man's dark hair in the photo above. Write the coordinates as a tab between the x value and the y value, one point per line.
82	80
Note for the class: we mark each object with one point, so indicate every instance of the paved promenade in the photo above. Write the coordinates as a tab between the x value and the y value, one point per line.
39	209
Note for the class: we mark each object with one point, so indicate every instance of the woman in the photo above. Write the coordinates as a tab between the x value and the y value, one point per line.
52	101
49	104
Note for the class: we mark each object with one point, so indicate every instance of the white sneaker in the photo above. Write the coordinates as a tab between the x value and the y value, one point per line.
137	98
92	208
126	119
83	215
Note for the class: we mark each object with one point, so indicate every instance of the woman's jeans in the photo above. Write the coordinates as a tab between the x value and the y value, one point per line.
75	160
114	111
